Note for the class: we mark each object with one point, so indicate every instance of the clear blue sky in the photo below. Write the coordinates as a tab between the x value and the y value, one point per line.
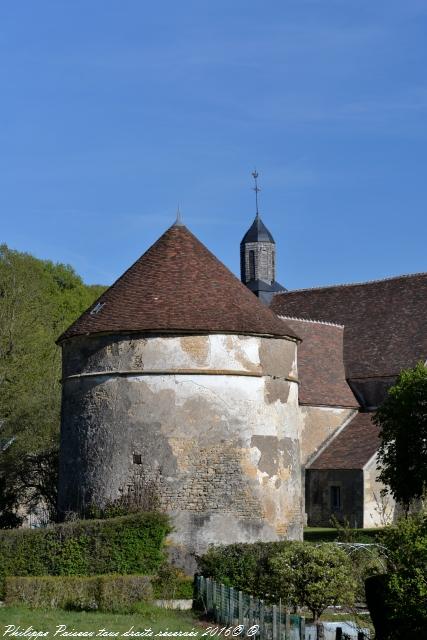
112	112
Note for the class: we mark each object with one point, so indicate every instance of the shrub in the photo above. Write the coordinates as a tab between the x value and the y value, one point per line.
313	576
405	585
106	593
243	566
126	545
171	583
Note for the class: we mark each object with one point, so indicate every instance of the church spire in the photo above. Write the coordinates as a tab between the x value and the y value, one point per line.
258	255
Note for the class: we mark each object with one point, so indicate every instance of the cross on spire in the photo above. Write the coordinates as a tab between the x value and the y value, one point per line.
256	189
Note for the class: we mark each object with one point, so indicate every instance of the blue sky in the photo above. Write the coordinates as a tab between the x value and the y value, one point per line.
113	112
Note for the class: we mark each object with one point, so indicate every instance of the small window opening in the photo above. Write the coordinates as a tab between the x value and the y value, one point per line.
251	265
335	498
137	458
97	308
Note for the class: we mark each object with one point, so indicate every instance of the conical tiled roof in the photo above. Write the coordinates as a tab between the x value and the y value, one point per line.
178	286
257	232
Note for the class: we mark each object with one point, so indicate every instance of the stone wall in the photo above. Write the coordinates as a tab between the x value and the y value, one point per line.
265	259
318	496
207	426
378	510
318	424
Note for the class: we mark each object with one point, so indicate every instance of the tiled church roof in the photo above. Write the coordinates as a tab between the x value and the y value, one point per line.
178	285
320	364
385	321
352	448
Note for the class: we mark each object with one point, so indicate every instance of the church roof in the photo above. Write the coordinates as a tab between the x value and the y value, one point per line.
257	232
385	321
178	286
352	447
320	364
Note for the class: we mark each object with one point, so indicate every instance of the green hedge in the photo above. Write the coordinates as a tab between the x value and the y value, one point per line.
244	566
248	566
106	593
320	534
127	545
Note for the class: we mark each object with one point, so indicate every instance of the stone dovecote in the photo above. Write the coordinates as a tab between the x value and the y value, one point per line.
181	388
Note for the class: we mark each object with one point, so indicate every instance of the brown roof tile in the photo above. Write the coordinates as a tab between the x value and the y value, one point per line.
320	364
352	448
178	285
385	321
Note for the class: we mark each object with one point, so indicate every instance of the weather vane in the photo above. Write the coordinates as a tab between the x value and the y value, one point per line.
256	188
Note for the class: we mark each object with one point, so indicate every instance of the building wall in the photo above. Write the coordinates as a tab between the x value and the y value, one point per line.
209	424
378	510
318	424
318	496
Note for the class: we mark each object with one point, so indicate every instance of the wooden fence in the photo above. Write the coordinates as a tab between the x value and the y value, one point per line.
244	616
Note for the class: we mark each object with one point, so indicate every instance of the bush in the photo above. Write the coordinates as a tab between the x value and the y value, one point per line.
106	593
243	566
405	585
313	576
172	584
252	568
126	545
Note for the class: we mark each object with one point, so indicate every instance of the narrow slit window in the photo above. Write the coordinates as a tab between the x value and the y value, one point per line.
137	458
335	497
251	265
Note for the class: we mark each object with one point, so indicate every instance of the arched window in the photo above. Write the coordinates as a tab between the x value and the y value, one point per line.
251	265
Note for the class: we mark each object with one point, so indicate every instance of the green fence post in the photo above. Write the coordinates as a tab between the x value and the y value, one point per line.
251	611
274	621
241	621
302	628
288	626
231	608
222	606
261	619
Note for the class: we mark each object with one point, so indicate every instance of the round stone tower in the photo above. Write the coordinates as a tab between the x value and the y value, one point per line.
180	393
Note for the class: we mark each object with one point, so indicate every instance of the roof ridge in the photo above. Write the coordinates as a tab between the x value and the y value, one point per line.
353	284
331	324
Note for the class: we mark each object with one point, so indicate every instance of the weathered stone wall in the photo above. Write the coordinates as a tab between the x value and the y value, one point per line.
318	424
378	510
318	496
208	424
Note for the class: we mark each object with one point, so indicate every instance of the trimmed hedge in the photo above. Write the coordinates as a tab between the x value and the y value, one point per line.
106	593
127	545
320	534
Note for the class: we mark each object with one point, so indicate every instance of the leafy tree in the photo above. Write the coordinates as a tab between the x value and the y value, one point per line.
398	599
38	300
314	576
402	419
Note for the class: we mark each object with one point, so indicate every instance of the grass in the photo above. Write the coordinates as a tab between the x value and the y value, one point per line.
146	617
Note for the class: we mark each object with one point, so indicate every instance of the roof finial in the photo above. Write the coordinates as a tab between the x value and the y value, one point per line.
178	221
256	189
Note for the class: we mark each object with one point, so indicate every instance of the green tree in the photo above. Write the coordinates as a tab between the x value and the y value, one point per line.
402	419
398	599
38	300
314	576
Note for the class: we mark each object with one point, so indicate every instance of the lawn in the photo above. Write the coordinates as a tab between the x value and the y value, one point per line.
147	618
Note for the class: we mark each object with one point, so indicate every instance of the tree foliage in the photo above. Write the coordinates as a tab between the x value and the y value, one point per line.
402	419
38	300
398	599
313	576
